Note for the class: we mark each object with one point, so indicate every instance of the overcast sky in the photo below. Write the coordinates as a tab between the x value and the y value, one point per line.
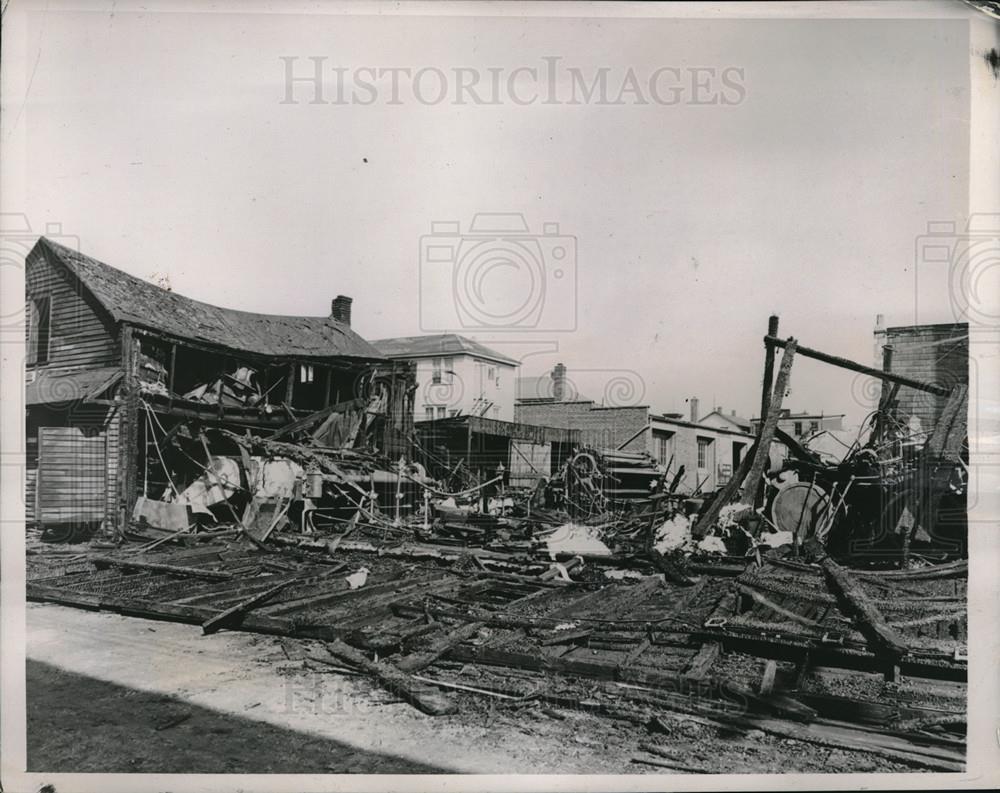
162	142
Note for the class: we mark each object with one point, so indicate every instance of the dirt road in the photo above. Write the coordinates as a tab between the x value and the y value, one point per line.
108	693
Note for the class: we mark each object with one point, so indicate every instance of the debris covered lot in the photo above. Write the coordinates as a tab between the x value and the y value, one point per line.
241	475
646	672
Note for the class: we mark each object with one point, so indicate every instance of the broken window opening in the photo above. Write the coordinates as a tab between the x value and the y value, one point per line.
39	327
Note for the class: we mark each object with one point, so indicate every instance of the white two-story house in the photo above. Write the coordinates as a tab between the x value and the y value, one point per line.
456	376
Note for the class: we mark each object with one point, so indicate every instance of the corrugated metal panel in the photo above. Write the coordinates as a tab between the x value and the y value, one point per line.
71	479
132	300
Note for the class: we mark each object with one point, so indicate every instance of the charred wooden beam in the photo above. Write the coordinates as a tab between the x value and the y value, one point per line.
234	613
845	363
419	694
194	572
856	601
770	424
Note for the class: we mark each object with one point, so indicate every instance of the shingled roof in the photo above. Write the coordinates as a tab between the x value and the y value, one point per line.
137	302
438	345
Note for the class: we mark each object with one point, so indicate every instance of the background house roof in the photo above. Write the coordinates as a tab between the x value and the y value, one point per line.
138	302
737	421
437	345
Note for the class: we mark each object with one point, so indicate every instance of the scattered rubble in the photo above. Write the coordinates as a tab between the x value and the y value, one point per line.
602	573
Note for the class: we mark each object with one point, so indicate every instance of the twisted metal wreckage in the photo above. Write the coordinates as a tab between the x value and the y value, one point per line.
810	598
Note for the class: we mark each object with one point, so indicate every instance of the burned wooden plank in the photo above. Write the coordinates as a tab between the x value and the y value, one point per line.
856	601
567	637
701	665
767	680
195	572
855	740
424	658
845	363
234	613
769	424
419	694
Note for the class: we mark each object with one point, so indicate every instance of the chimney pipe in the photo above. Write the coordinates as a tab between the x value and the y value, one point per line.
559	382
694	409
340	309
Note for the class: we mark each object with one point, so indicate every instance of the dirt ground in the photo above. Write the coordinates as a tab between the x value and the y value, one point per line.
108	693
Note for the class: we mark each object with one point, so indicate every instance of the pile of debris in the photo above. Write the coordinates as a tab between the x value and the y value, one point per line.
742	647
731	607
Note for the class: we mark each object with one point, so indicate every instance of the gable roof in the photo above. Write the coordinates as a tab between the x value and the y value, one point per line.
437	345
737	421
137	302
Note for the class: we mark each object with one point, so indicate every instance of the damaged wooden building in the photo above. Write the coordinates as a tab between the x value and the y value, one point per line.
123	378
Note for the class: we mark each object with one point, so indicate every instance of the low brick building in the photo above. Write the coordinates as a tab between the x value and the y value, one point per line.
710	454
937	354
596	425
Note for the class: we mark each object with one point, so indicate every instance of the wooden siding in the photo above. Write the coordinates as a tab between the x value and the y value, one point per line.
87	474
30	475
71	482
80	334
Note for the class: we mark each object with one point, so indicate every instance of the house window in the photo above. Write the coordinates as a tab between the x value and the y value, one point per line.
442	370
704	447
306	373
39	331
813	426
429	414
663	446
441	411
798	429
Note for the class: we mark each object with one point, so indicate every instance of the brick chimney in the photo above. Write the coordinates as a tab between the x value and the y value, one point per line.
694	409
340	309
559	382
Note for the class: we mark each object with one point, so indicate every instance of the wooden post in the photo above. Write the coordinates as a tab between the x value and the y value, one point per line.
290	385
468	442
329	386
128	452
170	374
765	397
222	382
767	385
770	424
